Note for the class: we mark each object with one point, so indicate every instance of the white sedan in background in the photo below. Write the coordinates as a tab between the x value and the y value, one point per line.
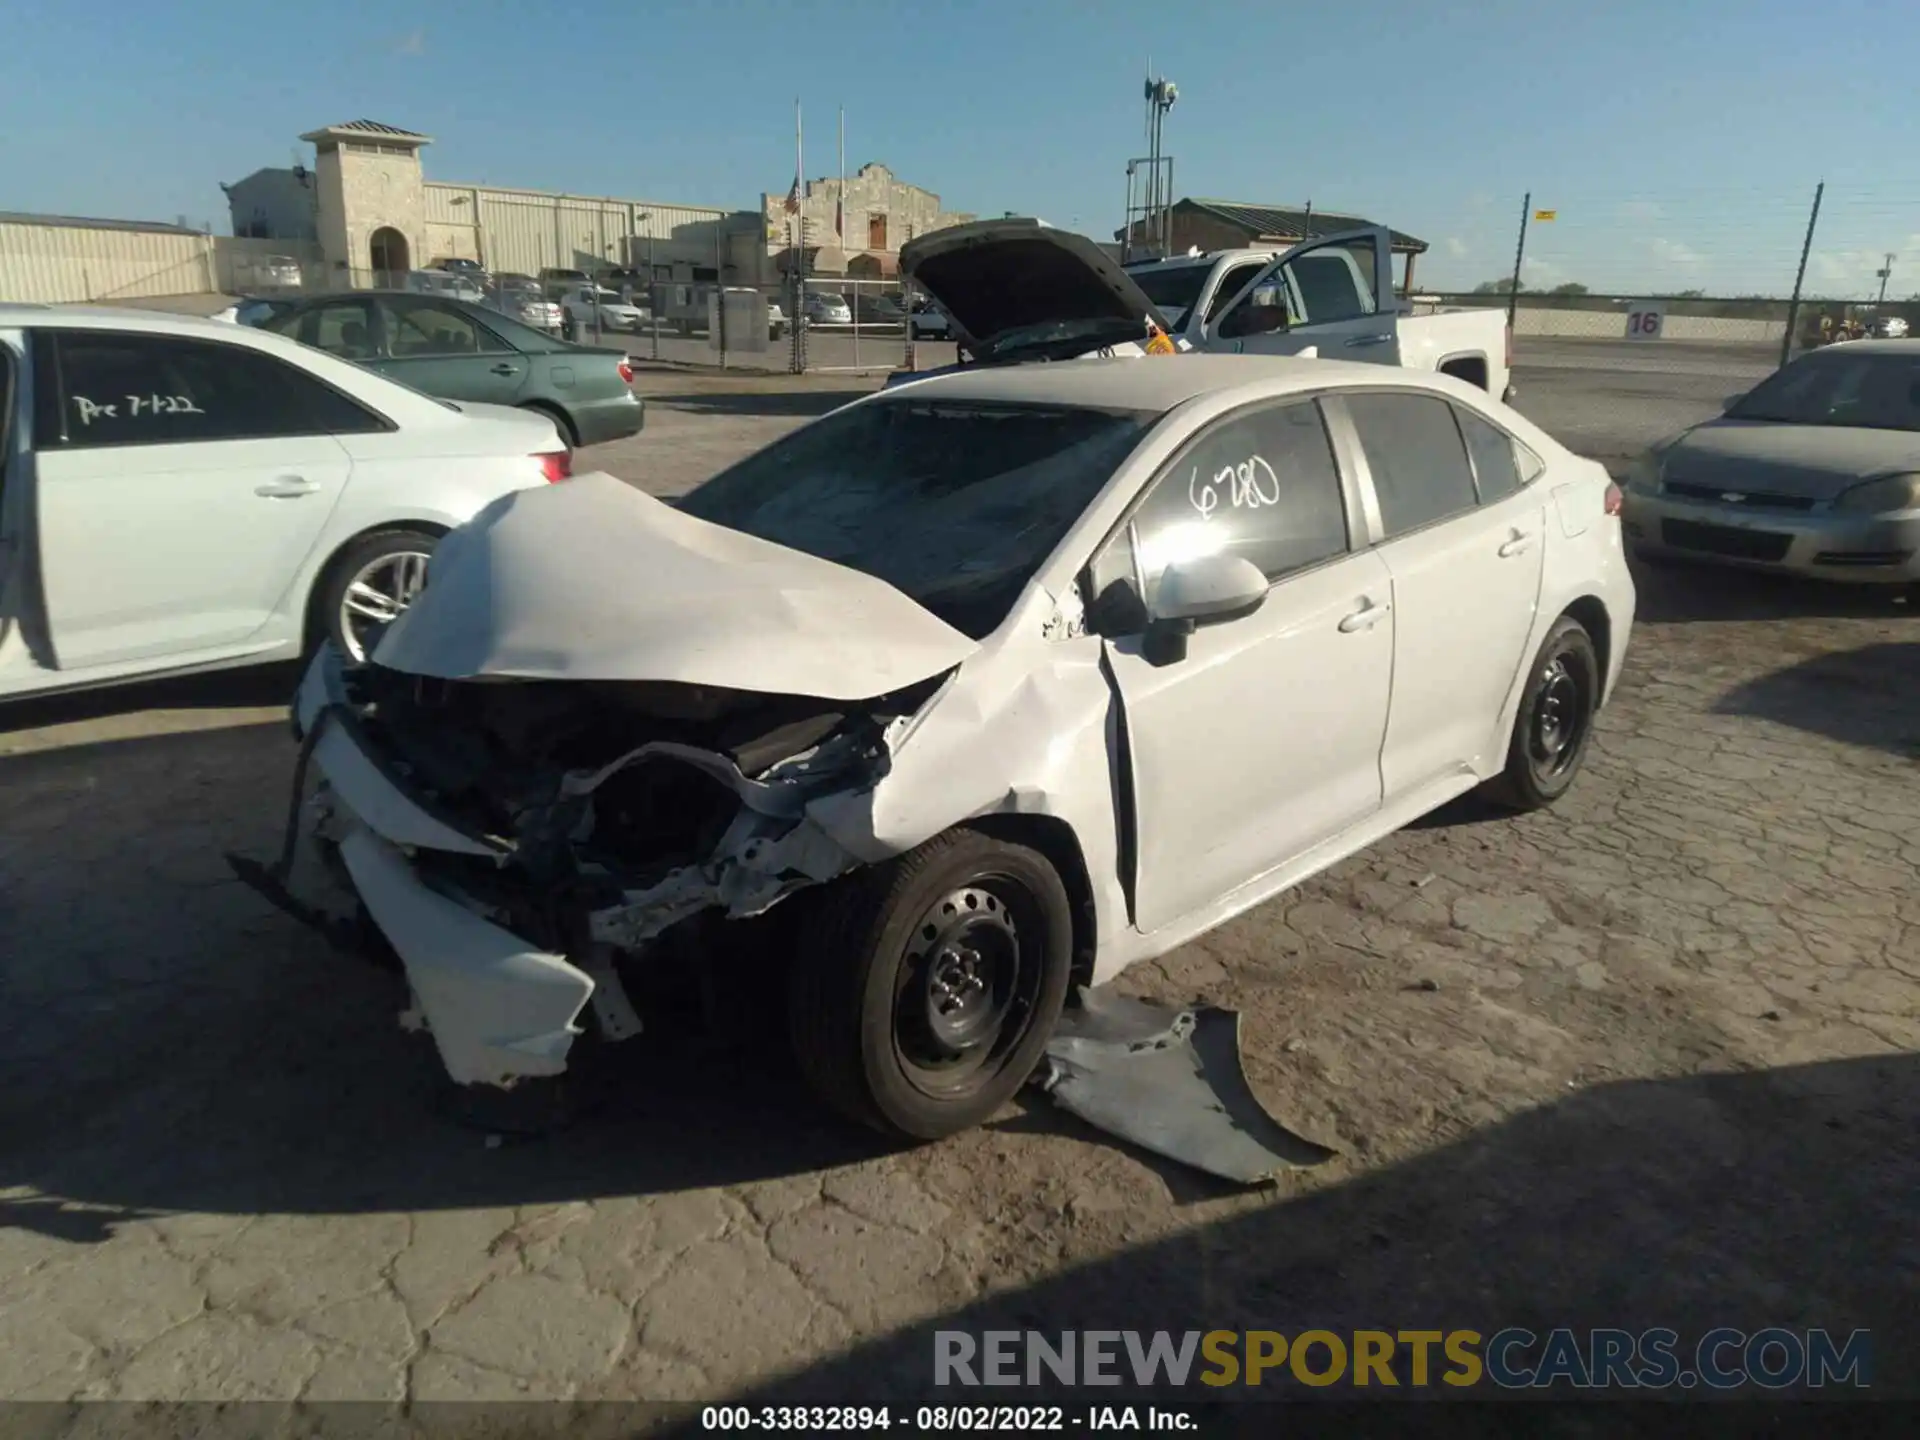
1008	680
584	303
182	494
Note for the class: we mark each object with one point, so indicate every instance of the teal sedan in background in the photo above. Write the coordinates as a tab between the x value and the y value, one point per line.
460	351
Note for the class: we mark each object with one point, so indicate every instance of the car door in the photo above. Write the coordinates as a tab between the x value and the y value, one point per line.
1265	739
180	484
445	349
1333	296
1464	542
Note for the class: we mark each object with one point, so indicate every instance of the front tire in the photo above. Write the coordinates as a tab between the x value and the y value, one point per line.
922	998
372	581
1554	723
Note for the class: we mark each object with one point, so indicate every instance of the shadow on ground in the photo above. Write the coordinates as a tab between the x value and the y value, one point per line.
1758	1199
1676	591
762	402
1869	696
253	686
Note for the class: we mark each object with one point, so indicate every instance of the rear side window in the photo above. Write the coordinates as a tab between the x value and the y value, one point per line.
1496	457
1416	456
122	388
1261	484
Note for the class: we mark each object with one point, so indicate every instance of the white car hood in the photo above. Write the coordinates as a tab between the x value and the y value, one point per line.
591	579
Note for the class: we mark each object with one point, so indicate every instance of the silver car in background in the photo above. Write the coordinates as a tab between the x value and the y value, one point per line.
527	304
1816	471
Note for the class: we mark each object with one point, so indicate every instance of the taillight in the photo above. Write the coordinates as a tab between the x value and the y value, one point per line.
556	465
626	372
1614	498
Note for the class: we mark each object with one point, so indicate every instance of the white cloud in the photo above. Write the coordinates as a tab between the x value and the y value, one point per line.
1673	252
1640	210
413	43
1458	248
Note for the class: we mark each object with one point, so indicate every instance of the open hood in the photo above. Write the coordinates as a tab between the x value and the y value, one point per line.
995	277
591	579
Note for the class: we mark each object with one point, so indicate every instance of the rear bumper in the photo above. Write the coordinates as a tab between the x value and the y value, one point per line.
1851	549
615	418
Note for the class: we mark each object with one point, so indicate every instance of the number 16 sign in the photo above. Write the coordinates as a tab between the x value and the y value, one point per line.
1646	320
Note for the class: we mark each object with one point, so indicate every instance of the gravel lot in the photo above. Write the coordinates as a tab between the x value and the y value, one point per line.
1645	1059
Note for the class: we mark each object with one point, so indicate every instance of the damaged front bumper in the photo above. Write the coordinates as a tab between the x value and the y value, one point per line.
500	1006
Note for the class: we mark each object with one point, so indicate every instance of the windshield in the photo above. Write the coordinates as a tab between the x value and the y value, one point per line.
954	504
1853	388
1173	289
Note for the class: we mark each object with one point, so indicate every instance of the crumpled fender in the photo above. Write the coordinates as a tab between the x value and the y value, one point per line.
1011	733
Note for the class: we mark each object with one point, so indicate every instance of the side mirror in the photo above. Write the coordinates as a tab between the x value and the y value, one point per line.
1205	590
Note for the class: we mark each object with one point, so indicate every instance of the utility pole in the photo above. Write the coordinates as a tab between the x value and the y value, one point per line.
1885	272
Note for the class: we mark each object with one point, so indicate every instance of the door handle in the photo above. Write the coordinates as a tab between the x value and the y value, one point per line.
1365	618
1519	544
286	487
503	368
1359	340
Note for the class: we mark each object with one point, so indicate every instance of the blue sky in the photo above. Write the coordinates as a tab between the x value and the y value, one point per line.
1679	142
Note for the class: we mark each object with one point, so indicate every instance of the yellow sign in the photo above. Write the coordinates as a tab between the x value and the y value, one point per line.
1160	344
1545	214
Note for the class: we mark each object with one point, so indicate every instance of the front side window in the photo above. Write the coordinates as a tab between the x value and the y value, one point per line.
1261	484
1416	456
421	331
344	328
120	388
954	503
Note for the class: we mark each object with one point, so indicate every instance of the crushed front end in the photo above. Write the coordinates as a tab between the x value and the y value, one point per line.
519	844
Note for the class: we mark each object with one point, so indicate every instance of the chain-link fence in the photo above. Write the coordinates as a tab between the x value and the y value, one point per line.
1635	315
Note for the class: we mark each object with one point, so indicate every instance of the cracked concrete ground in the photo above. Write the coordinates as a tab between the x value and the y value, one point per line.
1647	1056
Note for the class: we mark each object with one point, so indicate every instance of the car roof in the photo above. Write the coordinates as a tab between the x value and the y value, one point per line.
1157	383
20	314
1869	347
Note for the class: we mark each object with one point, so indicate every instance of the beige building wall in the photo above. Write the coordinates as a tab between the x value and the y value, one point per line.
54	259
876	214
380	191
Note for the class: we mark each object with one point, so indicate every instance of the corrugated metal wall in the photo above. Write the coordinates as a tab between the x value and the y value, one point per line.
56	263
529	230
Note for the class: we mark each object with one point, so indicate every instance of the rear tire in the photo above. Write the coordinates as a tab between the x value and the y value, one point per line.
1554	722
925	990
389	566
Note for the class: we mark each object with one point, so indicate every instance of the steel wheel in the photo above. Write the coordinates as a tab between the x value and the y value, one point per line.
1554	722
375	595
1559	719
966	986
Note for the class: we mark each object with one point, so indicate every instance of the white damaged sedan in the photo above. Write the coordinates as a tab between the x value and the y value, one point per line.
1003	681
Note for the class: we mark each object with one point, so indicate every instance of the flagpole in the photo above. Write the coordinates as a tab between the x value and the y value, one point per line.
840	209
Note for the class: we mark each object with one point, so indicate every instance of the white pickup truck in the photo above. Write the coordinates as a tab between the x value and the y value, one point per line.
1019	290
